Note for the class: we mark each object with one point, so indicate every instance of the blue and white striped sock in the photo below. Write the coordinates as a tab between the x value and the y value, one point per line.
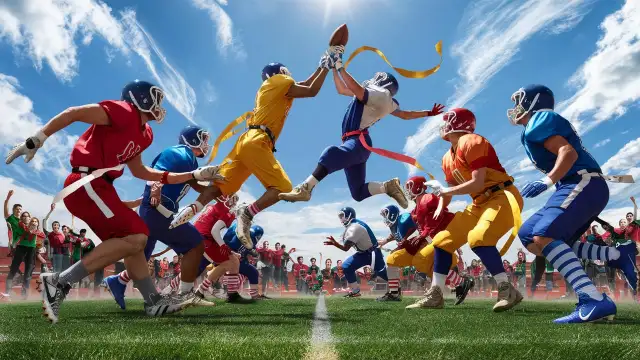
595	252
566	262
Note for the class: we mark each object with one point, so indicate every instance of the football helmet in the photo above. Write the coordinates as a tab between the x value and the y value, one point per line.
256	233
274	69
347	215
457	120
384	80
415	186
146	97
390	214
229	201
195	137
530	98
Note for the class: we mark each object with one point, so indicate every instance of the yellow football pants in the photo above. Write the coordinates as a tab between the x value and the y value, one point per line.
422	260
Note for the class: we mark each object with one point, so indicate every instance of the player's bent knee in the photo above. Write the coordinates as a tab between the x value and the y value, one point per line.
137	242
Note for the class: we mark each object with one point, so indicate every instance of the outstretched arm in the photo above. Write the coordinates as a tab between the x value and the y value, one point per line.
305	91
6	204
635	208
341	87
352	84
410	115
476	184
309	80
140	171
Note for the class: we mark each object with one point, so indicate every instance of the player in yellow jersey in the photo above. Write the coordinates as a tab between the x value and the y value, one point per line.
254	150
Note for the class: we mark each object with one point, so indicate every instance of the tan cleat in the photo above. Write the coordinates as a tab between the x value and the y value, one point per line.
395	191
200	300
508	297
244	227
301	192
433	299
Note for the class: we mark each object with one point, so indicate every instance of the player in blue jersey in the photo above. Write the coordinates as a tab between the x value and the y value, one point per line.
401	226
246	268
581	193
158	205
358	235
372	101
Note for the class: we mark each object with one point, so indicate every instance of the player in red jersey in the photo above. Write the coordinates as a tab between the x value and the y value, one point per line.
118	133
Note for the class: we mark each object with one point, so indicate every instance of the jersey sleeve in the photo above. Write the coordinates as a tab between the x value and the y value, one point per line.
278	85
476	151
546	124
120	114
175	159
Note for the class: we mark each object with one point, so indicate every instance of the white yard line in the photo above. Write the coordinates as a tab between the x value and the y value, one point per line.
321	340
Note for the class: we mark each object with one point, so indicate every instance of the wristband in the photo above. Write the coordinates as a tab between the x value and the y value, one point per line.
164	179
547	181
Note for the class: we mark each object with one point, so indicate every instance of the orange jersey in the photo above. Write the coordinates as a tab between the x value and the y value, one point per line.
472	153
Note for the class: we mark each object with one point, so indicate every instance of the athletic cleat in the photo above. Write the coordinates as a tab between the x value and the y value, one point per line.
236	298
352	294
463	289
39	284
53	294
433	299
200	300
263	297
183	216
218	293
162	305
116	289
4	297
395	191
390	297
588	310
244	227
301	192
627	264
508	297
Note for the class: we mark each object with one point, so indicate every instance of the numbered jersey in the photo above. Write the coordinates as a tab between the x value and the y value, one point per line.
472	153
542	126
177	159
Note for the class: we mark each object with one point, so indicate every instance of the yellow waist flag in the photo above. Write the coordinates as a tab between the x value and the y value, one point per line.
517	221
404	72
228	132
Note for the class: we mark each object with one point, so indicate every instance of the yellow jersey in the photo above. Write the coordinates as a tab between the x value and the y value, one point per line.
272	104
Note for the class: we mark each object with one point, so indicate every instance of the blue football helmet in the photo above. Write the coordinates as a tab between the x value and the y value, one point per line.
346	215
384	80
530	99
274	69
256	233
390	214
195	137
146	97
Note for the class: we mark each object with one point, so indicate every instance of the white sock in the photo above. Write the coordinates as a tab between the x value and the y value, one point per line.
185	286
311	182
502	277
198	205
439	280
376	188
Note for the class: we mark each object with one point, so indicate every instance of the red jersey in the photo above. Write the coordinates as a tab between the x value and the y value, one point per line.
108	146
277	257
211	215
473	152
298	267
266	255
422	215
632	232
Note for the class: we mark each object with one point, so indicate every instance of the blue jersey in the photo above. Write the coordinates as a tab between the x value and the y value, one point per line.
545	124
376	104
404	226
179	158
231	239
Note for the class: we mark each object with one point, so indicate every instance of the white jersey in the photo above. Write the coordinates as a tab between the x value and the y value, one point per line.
376	104
358	236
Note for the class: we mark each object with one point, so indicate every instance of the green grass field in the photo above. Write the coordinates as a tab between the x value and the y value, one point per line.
282	329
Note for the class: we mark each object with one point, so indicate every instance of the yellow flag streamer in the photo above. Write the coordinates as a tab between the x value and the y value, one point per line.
404	72
228	132
517	221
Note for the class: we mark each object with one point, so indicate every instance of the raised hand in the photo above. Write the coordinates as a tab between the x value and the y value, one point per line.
437	109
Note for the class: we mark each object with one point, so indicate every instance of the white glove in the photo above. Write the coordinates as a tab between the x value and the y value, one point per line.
436	186
335	56
208	173
324	61
28	148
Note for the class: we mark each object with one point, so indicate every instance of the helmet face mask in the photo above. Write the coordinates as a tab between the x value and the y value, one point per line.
196	138
529	100
229	201
346	216
415	187
384	80
149	103
389	217
518	112
457	121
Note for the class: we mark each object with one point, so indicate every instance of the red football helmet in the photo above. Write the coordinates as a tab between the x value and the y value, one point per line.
458	120
229	201
415	186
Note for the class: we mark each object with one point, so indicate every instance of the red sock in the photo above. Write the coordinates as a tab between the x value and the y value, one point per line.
124	277
394	285
233	283
253	293
253	209
453	279
204	287
175	282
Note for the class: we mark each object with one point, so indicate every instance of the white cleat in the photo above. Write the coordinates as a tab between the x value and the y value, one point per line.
301	192
53	294
183	216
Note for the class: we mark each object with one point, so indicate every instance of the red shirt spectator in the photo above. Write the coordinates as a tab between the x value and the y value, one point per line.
266	254
277	256
297	267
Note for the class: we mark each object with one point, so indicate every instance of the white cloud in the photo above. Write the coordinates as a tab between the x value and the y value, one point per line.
226	41
179	93
609	81
493	33
602	143
46	31
210	94
19	122
37	204
625	158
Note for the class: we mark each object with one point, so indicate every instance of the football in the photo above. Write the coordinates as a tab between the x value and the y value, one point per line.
340	36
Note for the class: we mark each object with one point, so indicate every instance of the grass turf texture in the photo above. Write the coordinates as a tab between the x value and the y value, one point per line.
274	329
281	329
365	329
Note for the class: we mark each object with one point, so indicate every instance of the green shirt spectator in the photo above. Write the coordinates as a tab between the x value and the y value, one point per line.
13	219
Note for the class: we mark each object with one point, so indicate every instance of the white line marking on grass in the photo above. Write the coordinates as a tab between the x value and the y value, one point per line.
321	340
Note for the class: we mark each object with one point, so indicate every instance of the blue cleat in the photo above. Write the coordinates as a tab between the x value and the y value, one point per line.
116	289
627	264
588	310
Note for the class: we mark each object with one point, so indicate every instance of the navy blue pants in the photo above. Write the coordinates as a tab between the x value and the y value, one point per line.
360	259
351	157
181	239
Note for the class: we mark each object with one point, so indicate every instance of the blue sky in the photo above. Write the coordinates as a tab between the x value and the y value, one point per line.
208	54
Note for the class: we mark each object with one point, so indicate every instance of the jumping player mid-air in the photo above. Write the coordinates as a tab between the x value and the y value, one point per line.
158	205
254	150
357	234
554	147
471	167
118	133
372	101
